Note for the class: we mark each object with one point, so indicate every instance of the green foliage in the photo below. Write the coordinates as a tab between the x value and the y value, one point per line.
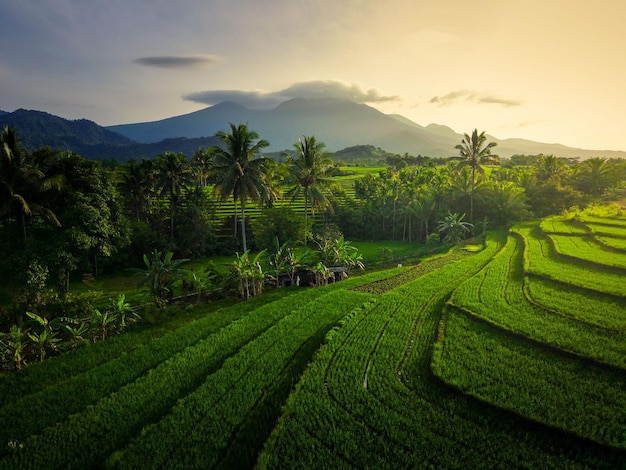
13	346
162	272
307	174
46	338
122	309
249	274
454	228
279	380
240	173
278	222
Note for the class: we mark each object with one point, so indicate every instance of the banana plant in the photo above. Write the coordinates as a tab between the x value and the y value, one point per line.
46	338
102	322
122	309
14	344
162	273
283	261
76	333
249	274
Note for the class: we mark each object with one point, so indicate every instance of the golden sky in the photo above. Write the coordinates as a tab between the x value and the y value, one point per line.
545	70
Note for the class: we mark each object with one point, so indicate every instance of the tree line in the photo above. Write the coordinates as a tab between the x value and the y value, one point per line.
61	213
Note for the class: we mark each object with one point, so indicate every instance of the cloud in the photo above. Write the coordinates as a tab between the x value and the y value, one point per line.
473	97
312	89
175	62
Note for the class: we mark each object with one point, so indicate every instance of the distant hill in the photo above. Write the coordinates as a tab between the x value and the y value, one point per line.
337	123
365	155
37	129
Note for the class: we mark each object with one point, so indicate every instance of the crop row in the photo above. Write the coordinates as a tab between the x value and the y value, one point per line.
32	413
612	242
585	249
614	220
74	441
587	306
539	259
560	225
496	295
63	423
369	400
424	267
558	390
199	429
606	229
335	405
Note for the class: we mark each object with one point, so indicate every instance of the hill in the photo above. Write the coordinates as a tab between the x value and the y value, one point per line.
337	123
37	129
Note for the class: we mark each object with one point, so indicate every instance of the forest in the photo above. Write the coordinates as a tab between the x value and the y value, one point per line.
64	217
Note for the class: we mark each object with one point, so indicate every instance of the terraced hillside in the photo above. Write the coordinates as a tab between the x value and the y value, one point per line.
510	357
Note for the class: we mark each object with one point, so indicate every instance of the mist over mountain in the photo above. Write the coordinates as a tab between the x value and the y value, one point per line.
338	123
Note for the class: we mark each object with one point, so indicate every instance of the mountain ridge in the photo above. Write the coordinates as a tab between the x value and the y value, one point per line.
340	124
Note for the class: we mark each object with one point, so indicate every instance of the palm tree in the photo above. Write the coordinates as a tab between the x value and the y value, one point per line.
473	152
506	202
202	164
239	171
549	167
423	205
137	186
594	176
174	175
25	180
308	174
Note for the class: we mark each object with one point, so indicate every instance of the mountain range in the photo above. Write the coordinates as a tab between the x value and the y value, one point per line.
337	123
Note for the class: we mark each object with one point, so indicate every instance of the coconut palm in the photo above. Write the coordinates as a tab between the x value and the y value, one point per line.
423	205
549	167
473	152
202	164
137	186
174	175
25	180
239	171
308	175
594	176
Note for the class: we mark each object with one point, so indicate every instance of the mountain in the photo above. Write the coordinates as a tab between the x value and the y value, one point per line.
337	123
37	129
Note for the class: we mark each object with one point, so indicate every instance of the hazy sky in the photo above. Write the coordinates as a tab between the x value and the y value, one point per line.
546	70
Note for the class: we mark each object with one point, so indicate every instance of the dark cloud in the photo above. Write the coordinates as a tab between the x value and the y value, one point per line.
473	97
175	62
313	89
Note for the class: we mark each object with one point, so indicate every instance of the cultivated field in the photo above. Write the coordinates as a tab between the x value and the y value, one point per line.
514	356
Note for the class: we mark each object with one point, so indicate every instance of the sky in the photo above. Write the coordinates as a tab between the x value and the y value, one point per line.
546	70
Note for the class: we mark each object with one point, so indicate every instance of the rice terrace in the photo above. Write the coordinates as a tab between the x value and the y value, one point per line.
511	354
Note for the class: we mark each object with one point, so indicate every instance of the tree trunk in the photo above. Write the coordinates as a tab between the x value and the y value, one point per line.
306	210
472	199
243	227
